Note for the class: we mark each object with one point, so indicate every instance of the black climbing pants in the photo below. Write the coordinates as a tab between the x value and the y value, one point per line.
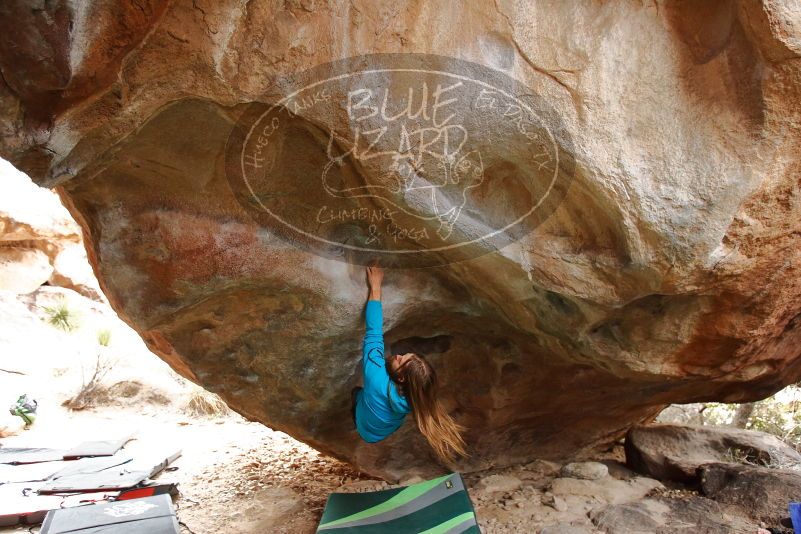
353	393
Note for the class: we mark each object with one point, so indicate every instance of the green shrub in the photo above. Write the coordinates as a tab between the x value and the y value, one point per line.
104	337
780	418
62	317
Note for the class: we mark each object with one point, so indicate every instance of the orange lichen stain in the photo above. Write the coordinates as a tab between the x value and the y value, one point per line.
177	247
711	348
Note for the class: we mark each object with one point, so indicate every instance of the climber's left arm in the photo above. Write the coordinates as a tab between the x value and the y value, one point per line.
373	347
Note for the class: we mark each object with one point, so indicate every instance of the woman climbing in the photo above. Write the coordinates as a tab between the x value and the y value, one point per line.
398	385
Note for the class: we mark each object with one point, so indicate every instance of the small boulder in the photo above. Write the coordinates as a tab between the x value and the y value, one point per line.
554	501
542	468
761	492
23	270
585	470
619	470
498	483
72	270
607	489
696	514
675	452
646	515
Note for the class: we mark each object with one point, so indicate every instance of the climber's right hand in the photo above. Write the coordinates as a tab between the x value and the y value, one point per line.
375	276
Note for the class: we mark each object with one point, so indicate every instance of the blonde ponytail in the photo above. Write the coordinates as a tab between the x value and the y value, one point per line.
419	382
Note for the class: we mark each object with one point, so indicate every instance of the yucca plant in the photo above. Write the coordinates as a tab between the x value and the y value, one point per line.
104	337
62	317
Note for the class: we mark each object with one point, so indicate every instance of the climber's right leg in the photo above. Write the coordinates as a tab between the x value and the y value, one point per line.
354	395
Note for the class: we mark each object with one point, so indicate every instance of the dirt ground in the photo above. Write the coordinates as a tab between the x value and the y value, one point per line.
233	475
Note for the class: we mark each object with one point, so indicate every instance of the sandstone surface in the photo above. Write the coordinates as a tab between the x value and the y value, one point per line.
762	493
677	452
665	268
23	270
39	240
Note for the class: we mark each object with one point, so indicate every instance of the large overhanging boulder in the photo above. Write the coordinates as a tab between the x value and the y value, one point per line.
661	264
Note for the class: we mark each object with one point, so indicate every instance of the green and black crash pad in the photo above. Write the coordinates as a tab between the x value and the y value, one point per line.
149	515
439	506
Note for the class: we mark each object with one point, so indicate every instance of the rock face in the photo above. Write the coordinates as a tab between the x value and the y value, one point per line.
71	270
663	267
23	270
763	493
32	217
39	240
663	516
677	452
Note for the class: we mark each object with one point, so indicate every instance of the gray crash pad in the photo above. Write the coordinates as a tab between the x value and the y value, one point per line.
114	477
17	456
29	472
96	448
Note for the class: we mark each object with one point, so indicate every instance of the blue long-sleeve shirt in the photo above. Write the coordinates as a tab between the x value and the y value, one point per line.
380	408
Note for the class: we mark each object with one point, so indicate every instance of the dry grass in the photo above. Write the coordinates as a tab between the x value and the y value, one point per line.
204	403
132	392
